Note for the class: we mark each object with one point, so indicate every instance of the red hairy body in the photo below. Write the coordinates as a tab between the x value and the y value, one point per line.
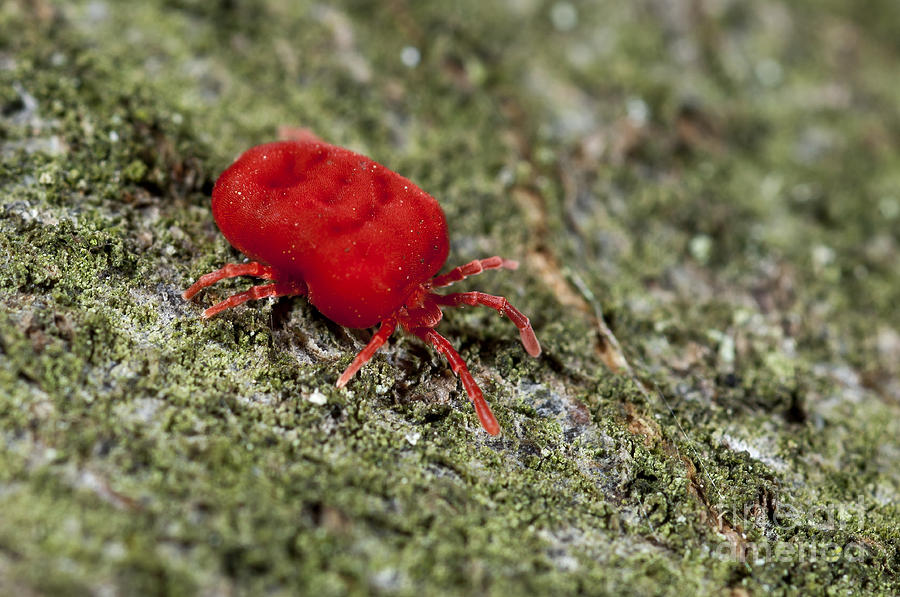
363	244
336	220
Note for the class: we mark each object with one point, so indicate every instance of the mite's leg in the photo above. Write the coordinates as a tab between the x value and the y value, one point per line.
257	292
499	303
472	268
459	368
378	339
232	270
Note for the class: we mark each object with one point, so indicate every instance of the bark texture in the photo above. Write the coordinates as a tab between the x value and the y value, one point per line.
705	200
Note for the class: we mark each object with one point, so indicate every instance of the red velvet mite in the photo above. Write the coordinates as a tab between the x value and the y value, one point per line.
361	242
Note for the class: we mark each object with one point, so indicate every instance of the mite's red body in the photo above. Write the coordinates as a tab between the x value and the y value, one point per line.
360	241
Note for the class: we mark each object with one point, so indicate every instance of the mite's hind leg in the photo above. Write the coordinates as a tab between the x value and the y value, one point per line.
231	270
257	292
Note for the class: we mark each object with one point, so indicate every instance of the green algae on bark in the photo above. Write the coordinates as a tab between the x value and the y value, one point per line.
714	185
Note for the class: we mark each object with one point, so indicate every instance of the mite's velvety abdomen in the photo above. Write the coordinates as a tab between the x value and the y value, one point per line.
360	236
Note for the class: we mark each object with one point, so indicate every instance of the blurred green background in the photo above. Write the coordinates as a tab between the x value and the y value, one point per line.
705	199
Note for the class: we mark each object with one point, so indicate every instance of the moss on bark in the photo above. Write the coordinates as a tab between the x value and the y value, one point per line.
706	202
